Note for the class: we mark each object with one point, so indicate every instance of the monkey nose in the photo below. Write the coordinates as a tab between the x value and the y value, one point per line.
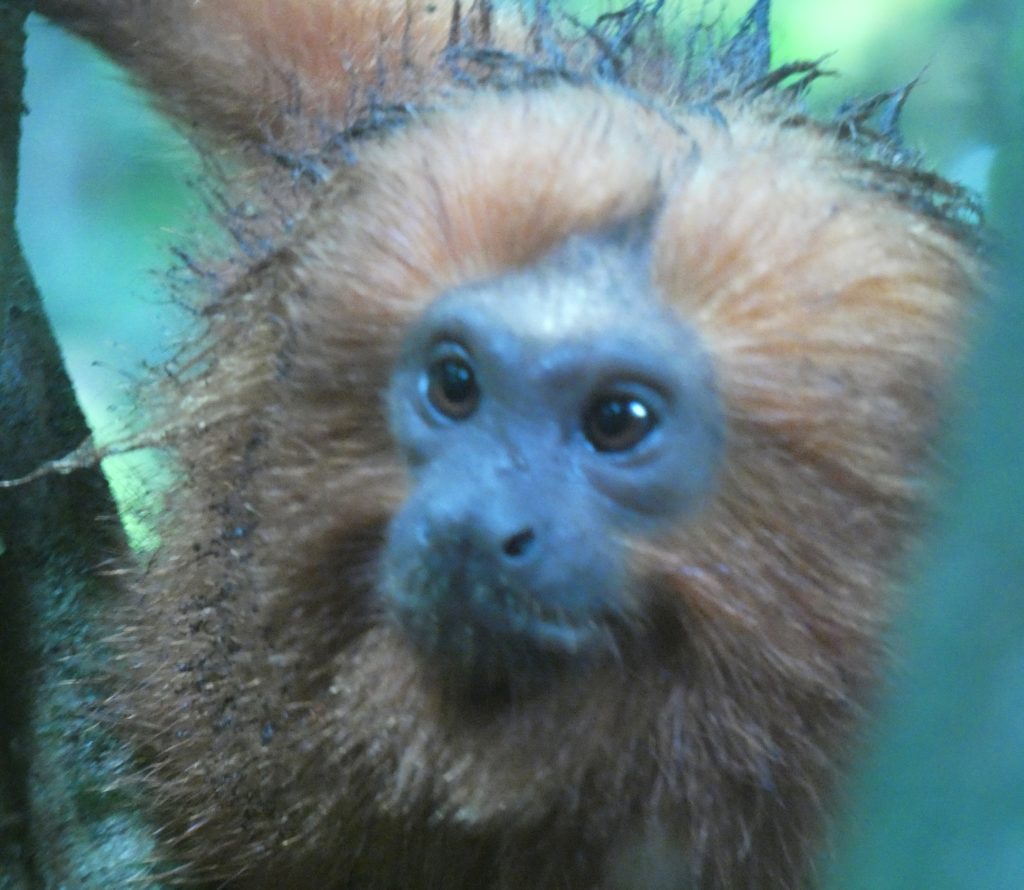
519	545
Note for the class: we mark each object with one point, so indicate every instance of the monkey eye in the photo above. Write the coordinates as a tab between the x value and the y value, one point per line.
617	422
452	387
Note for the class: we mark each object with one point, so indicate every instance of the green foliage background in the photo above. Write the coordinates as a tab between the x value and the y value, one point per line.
938	801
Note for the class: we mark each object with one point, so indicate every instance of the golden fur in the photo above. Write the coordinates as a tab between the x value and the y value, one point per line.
292	736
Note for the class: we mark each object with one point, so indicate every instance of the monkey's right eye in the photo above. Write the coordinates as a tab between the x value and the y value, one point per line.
452	388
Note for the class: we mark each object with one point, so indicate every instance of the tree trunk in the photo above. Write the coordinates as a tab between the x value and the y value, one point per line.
65	819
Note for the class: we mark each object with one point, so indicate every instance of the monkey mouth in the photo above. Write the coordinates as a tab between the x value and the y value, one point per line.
524	614
490	632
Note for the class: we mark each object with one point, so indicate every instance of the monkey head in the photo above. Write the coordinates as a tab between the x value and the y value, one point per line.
586	357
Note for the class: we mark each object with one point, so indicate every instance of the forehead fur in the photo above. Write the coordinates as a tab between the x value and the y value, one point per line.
473	192
757	221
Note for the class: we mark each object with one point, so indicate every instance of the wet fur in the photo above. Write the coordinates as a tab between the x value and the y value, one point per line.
291	736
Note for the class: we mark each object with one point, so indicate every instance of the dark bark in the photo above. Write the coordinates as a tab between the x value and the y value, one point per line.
17	298
61	824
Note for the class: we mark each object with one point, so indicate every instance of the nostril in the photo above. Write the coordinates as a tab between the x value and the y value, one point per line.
518	544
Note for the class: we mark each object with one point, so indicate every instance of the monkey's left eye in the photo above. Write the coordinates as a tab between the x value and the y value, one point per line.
617	422
452	387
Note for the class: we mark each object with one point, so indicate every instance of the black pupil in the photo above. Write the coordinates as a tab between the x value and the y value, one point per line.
453	389
456	380
617	423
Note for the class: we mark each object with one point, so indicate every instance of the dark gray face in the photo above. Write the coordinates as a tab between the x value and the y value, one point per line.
547	417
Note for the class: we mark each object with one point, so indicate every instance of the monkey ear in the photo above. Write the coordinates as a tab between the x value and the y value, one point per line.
277	74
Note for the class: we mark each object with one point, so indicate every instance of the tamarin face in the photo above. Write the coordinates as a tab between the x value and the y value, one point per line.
547	416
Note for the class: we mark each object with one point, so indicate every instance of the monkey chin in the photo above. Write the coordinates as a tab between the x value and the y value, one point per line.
484	636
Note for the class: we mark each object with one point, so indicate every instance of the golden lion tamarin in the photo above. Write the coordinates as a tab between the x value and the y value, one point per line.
550	454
